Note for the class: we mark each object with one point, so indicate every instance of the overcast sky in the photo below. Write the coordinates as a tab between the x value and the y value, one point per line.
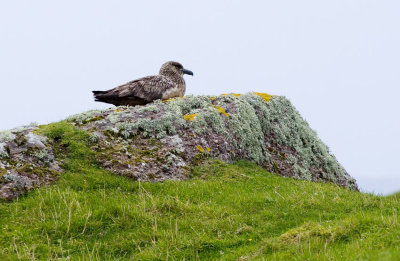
338	61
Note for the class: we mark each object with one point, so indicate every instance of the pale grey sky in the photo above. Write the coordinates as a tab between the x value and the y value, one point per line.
338	61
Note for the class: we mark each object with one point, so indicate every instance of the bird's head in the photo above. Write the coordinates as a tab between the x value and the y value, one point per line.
174	68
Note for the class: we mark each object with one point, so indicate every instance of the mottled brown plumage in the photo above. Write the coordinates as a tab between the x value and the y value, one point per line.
168	84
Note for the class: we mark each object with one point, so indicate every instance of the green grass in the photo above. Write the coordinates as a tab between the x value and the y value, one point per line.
225	212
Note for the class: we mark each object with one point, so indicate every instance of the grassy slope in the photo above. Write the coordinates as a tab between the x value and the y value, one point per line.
225	212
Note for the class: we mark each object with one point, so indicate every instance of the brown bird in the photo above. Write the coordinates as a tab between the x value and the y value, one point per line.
168	84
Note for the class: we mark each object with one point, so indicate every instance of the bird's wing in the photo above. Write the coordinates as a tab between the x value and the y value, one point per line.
147	88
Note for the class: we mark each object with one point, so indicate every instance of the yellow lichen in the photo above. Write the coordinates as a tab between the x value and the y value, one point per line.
213	98
118	110
168	100
221	110
189	117
264	95
208	149
200	148
234	94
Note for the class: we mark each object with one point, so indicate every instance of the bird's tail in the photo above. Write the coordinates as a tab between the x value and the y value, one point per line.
98	92
97	95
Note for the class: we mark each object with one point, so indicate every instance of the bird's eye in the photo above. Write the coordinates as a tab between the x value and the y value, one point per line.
177	65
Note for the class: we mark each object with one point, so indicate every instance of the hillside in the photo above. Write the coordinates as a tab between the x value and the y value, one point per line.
224	212
79	189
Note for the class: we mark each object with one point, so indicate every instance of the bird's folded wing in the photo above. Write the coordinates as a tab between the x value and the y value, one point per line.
147	88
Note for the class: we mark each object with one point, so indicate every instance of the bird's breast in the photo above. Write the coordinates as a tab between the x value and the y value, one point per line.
177	91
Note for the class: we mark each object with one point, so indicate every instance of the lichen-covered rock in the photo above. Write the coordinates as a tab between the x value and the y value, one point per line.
161	140
26	161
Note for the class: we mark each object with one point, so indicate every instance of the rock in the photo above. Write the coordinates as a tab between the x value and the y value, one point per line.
35	141
162	140
26	161
170	136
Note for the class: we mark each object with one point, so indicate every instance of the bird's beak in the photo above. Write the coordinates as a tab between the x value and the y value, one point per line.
187	72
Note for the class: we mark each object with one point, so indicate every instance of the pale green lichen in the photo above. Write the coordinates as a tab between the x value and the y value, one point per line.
149	108
3	151
302	173
291	159
190	102
173	116
42	155
206	116
6	136
208	119
199	125
281	119
118	115
84	117
150	127
247	129
93	137
216	120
